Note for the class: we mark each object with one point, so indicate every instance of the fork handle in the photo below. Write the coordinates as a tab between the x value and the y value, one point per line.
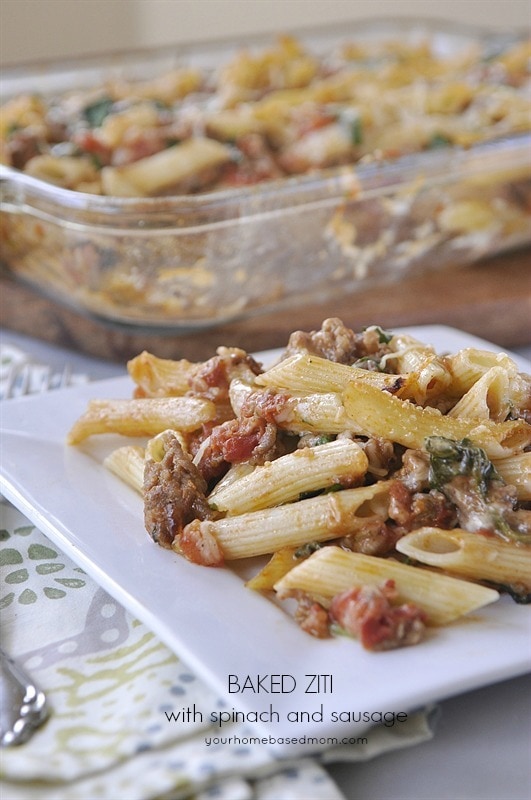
23	706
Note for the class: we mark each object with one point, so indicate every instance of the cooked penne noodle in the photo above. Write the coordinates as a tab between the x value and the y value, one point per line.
428	383
127	463
161	377
331	570
228	124
157	446
409	354
320	413
234	474
377	413
317	519
165	169
239	391
65	171
470	555
166	88
307	373
286	478
516	470
278	565
469	364
488	398
427	375
142	417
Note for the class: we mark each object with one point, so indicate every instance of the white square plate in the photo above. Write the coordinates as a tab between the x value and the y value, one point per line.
210	619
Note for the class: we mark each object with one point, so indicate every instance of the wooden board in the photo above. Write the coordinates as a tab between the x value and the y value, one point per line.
491	299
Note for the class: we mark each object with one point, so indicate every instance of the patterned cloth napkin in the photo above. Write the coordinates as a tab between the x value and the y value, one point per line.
115	692
113	686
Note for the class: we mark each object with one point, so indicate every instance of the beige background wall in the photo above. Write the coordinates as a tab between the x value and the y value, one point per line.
40	29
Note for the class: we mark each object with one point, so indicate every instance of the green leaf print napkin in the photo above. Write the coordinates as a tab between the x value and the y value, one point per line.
115	692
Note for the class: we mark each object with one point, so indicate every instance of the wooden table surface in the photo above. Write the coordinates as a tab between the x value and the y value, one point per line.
491	299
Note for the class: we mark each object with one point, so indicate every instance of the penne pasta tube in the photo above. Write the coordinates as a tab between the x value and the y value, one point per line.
426	375
286	478
234	474
516	470
469	364
142	417
228	124
157	446
319	413
278	565
127	463
488	398
409	354
161	377
167	88
239	391
307	373
318	519
331	570
67	171
377	413
166	168
470	555
428	383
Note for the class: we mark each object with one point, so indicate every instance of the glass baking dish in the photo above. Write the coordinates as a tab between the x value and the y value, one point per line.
181	262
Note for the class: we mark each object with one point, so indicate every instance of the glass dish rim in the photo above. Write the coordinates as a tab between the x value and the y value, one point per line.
339	183
327	180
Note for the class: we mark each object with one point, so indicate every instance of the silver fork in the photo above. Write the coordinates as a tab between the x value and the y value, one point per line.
23	706
27	378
